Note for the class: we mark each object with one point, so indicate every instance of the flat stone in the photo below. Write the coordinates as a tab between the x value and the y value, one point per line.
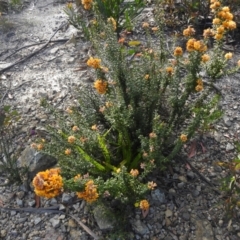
204	230
104	217
139	227
229	147
55	222
158	196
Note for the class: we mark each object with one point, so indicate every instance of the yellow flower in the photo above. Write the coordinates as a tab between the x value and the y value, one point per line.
134	172
200	46
221	14
87	4
144	205
90	194
169	70
205	58
71	139
188	32
151	185
154	29
225	9
228	56
228	16
101	86
145	25
208	33
218	36
152	135
94	127
69	110
83	139
94	62
75	128
199	88
216	21
48	184
220	30
118	170
183	137
77	177
231	25
108	104
40	146
178	51
68	151
190	44
113	22
215	5
69	6
146	76
200	82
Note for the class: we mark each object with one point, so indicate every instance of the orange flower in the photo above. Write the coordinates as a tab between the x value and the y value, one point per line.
188	32
169	70
75	128
94	62
183	137
151	185
178	51
90	194
71	139
48	184
199	88
190	44
208	33
225	9
216	21
134	172
154	29
220	30
146	76
121	40
205	58
94	127
68	151
218	36
40	146
228	56
152	135
69	110
144	205
101	86
145	25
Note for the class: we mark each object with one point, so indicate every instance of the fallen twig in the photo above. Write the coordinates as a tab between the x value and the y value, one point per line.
34	53
87	229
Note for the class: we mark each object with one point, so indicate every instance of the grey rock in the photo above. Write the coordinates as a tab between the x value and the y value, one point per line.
186	216
75	234
181	185
139	227
66	198
37	220
31	203
158	196
35	161
19	202
104	217
55	222
3	233
191	174
229	147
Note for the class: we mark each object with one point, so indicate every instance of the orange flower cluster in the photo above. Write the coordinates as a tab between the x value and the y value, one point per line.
144	205
223	20
178	52
199	86
87	4
188	32
205	58
194	45
90	194
101	86
94	62
48	184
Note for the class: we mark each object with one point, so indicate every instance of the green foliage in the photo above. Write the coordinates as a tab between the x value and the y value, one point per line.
146	102
123	12
231	185
8	153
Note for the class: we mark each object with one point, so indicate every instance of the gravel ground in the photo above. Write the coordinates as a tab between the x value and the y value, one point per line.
187	203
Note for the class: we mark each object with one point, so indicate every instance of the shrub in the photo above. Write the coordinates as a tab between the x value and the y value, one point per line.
147	101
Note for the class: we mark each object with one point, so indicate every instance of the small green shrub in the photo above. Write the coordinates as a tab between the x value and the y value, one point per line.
146	102
8	153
